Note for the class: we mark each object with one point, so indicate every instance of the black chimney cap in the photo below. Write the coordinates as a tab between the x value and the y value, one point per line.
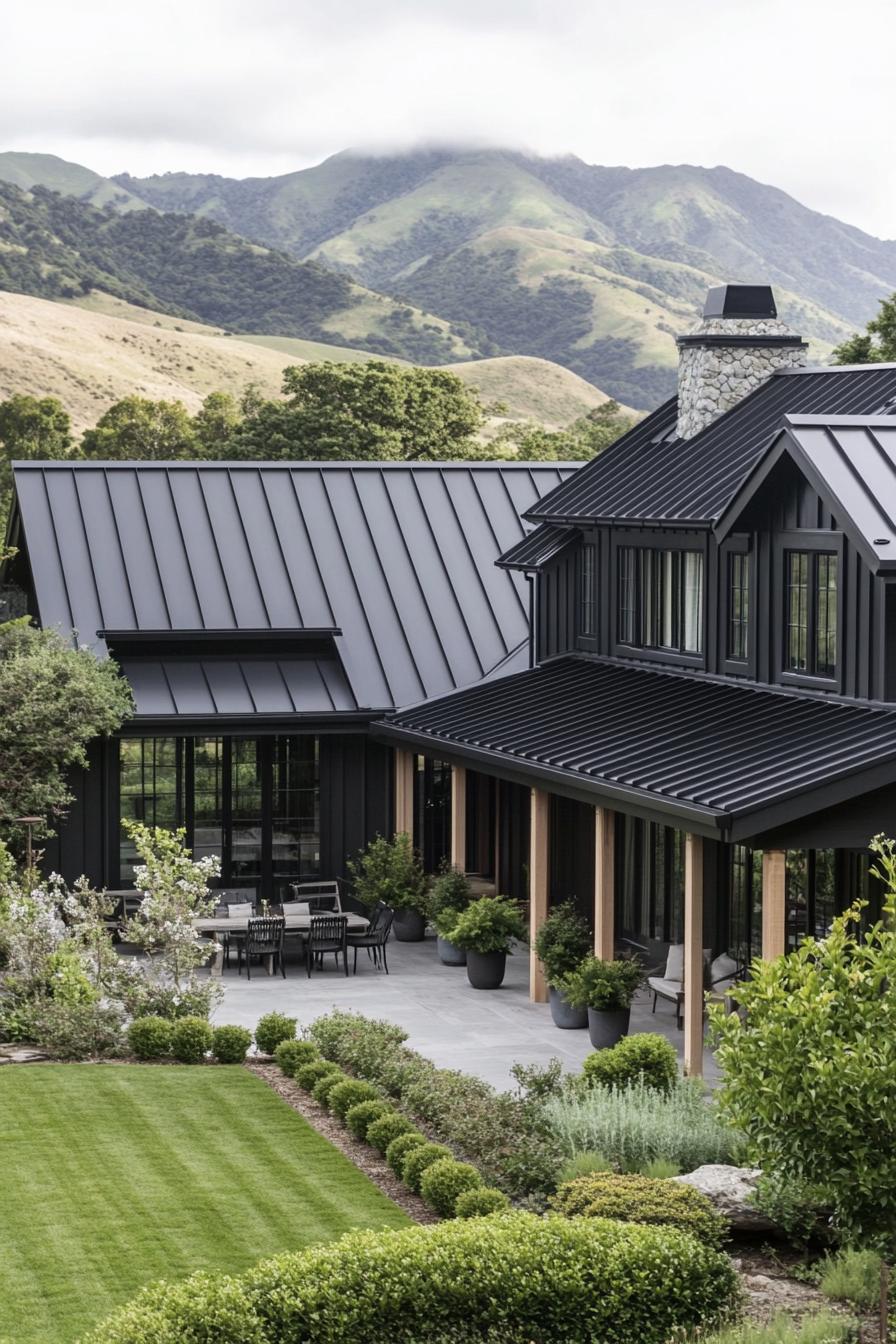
740	301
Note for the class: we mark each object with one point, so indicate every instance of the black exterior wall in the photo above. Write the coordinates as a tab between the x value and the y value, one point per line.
356	793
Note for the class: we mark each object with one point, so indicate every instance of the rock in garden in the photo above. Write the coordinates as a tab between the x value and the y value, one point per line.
731	1190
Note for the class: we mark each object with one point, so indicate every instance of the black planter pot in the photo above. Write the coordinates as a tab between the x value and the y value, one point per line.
485	970
563	1013
409	926
606	1029
449	954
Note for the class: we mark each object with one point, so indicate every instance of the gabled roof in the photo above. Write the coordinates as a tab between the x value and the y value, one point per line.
652	476
850	460
705	753
397	559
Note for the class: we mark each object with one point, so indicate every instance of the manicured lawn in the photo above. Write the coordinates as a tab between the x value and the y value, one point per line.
112	1176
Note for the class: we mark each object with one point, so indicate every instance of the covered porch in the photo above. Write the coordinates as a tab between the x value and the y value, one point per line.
675	810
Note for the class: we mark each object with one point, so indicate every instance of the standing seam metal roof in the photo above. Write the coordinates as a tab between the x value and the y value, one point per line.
696	745
399	557
651	475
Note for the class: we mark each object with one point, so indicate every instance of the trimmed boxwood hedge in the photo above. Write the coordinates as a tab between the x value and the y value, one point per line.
324	1086
646	1056
480	1202
191	1039
359	1118
390	1126
291	1055
309	1075
515	1279
641	1199
399	1148
230	1044
351	1093
151	1037
443	1181
418	1159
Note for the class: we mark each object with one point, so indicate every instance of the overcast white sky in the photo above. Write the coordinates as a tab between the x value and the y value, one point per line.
798	93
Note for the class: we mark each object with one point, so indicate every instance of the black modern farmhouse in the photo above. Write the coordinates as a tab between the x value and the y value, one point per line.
265	617
707	735
664	684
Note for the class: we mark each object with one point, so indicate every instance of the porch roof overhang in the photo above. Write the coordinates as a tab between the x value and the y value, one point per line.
700	753
190	689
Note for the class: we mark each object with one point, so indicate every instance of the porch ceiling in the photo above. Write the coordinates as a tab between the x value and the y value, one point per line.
712	756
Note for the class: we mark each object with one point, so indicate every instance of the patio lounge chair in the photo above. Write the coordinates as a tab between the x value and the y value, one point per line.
670	985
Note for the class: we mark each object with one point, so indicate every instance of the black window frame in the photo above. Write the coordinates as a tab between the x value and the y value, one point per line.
741	546
587	638
814	544
645	545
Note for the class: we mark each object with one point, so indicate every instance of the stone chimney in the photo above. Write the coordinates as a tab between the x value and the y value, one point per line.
735	347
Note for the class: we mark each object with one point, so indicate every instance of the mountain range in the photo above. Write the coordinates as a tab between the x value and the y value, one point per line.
480	253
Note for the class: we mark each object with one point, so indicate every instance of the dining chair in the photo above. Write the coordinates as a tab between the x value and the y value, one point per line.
374	937
327	933
264	938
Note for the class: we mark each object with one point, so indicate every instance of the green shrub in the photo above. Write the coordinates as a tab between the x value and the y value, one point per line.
639	1199
790	1205
191	1039
91	1030
450	893
646	1056
350	1093
325	1085
583	1164
150	1037
381	1133
309	1075
443	1181
230	1044
480	1201
399	1148
390	871
635	1125
490	924
782	1329
608	986
512	1279
507	1136
811	1058
562	942
358	1119
660	1170
291	1055
418	1159
272	1029
852	1276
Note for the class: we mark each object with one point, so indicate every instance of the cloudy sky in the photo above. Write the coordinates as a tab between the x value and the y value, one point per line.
797	93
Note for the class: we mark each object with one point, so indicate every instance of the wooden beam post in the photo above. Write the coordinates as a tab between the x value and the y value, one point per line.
404	792
774	903
693	956
604	882
459	817
539	828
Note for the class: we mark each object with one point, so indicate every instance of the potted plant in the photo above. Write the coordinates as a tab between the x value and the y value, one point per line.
390	871
561	944
451	893
485	931
605	989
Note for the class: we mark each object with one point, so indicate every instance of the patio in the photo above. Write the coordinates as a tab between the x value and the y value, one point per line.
480	1032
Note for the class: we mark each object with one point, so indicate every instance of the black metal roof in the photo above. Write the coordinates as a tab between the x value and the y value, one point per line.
715	755
535	550
398	558
652	476
209	688
851	461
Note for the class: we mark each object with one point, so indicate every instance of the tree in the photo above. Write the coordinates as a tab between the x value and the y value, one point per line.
362	412
578	442
30	427
809	1067
53	701
136	428
215	423
877	345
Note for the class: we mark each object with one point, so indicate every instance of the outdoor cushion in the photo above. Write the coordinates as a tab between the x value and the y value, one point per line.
675	963
239	911
667	989
723	972
296	908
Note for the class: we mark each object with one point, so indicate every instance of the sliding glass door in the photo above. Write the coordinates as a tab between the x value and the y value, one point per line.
253	802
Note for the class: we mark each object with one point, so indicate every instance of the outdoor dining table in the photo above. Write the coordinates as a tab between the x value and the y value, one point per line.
215	924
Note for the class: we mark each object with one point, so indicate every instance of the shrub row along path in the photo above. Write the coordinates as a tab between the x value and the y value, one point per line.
116	1175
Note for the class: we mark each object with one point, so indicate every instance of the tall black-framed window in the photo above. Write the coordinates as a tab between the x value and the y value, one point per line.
810	646
588	590
650	881
672	600
432	811
628	594
738	647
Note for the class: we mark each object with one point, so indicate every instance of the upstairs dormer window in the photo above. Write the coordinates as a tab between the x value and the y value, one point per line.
738	606
661	599
588	590
811	635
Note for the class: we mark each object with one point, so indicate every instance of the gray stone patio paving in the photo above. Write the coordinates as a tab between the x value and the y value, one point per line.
481	1032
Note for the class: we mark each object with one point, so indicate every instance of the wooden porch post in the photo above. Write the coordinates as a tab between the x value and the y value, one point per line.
538	886
693	956
774	903
404	792
604	882
459	817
